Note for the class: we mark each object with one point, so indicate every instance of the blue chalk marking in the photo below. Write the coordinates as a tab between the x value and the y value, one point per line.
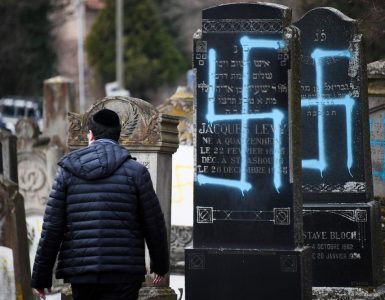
276	115
211	88
378	143
242	185
321	163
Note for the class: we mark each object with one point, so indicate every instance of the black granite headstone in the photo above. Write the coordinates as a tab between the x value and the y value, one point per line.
341	222
215	274
247	194
334	109
343	239
243	195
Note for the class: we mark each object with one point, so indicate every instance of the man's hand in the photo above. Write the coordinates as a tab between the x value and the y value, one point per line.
40	292
157	279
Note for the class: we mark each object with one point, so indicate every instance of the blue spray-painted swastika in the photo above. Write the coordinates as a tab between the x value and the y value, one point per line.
379	144
320	163
276	115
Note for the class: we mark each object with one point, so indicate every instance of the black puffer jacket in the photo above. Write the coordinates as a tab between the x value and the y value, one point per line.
101	208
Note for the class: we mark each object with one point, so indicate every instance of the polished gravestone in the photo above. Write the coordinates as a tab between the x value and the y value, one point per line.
341	220
247	198
341	239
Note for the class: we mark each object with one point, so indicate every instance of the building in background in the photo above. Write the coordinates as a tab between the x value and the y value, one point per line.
65	33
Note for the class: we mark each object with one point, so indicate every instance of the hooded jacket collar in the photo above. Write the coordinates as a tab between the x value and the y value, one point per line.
99	160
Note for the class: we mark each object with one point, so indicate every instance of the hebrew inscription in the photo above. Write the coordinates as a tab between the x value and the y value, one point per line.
243	167
242	129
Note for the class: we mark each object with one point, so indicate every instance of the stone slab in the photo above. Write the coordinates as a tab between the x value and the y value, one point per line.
180	238
377	143
156	293
8	153
225	274
346	244
7	273
330	293
59	100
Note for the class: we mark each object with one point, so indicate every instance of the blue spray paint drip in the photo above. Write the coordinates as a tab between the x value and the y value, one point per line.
378	143
276	115
321	163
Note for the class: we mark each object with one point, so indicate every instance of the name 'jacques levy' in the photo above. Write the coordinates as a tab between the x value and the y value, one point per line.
231	128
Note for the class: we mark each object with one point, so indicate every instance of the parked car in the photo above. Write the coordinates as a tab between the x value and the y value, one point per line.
13	108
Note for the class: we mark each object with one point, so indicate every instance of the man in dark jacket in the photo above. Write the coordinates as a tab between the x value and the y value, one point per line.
101	209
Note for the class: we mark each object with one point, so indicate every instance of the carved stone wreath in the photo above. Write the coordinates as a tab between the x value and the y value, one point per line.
139	120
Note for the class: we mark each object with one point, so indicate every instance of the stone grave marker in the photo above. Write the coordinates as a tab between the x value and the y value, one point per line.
8	155
376	97
14	260
7	274
181	105
152	138
37	159
59	100
341	220
247	197
377	143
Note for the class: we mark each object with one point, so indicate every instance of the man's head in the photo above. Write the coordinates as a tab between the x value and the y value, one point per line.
105	124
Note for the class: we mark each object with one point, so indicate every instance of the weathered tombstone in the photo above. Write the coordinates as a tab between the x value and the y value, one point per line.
14	260
341	220
152	138
37	159
376	96
247	196
181	105
9	156
59	100
7	274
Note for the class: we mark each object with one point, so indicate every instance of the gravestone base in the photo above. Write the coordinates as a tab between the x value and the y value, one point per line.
157	293
344	293
145	293
229	274
346	244
59	296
